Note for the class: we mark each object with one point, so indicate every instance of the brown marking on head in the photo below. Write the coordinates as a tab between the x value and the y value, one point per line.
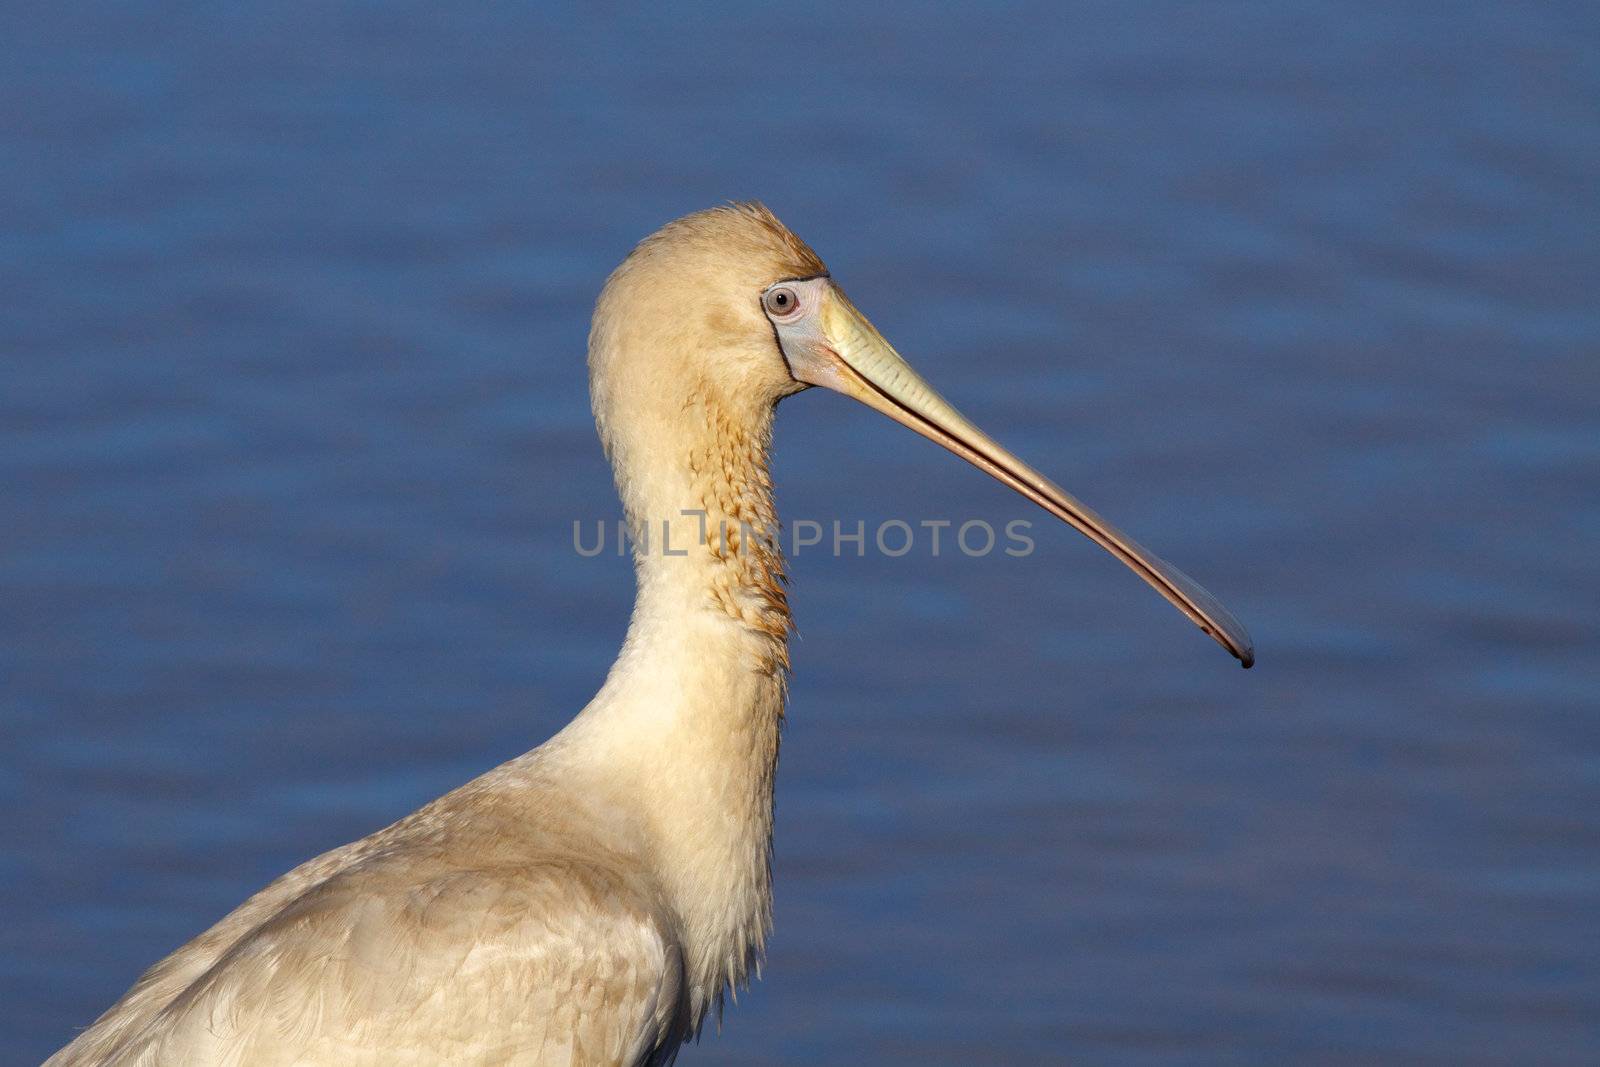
800	259
741	237
722	327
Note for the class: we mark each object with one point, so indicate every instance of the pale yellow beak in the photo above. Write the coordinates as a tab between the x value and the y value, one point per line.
848	355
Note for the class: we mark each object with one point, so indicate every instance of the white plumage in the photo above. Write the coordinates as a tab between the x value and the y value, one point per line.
589	902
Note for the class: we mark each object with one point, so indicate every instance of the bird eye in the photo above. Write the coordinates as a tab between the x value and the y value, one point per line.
781	301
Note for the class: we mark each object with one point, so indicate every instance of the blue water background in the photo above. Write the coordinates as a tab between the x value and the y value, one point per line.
293	427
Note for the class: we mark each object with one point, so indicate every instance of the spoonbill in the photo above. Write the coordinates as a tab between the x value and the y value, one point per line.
589	902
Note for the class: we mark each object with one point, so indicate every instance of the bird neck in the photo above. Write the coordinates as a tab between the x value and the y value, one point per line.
697	492
692	709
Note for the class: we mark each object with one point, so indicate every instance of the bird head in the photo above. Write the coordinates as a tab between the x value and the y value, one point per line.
729	304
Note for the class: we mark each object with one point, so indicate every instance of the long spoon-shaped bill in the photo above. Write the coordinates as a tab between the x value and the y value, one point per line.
848	355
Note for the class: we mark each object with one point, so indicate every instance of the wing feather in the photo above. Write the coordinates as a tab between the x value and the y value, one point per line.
558	961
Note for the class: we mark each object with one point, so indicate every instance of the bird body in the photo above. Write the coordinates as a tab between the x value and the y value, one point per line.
589	903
